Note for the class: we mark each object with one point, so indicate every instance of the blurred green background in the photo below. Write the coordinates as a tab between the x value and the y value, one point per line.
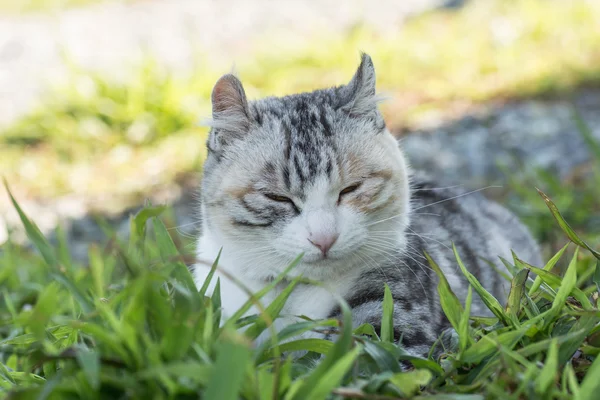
112	119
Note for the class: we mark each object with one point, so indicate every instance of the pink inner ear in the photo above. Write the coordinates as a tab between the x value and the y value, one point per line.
228	96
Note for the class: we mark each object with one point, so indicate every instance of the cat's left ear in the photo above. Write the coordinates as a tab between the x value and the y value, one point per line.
230	114
358	96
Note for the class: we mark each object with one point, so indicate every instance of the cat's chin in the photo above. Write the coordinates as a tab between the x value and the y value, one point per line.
331	259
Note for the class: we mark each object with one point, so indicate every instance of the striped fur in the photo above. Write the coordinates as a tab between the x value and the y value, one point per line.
284	171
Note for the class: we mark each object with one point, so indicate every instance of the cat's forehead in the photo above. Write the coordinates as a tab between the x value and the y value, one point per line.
295	105
305	127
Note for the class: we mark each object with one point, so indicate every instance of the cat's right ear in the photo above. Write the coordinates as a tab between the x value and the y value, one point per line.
230	114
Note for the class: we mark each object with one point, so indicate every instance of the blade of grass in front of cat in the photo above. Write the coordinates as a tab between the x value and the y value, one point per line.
554	281
490	301
596	277
464	337
255	297
266	349
34	234
548	267
272	311
548	373
227	377
382	357
337	352
566	228
513	304
448	300
210	275
169	253
320	346
566	287
488	344
332	377
90	364
590	386
387	318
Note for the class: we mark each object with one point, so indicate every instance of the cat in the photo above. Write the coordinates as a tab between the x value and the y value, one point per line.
319	173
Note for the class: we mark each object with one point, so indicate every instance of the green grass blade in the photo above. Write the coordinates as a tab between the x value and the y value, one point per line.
590	386
548	267
97	269
579	331
293	330
547	375
272	311
5	374
488	345
86	304
448	300
90	364
566	228
489	300
566	287
138	231
255	297
332	377
517	287
320	346
410	382
169	253
192	370
555	281
340	350
210	275
34	234
227	377
464	337
382	357
573	383
387	318
596	277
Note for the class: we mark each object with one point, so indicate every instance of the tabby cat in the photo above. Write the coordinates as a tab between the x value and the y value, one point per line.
319	173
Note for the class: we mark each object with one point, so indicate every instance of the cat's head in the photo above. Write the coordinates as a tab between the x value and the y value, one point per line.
315	173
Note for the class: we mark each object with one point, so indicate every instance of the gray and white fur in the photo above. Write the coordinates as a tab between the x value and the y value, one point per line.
319	173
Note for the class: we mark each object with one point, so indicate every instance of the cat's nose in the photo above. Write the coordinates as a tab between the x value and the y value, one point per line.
323	242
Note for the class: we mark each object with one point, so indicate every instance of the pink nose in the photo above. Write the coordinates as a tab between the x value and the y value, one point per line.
323	242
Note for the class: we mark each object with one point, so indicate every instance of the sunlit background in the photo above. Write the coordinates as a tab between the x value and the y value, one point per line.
101	101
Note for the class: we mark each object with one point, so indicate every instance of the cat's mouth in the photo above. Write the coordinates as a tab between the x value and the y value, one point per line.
319	259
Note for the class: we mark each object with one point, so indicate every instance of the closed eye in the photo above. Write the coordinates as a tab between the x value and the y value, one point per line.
348	190
282	199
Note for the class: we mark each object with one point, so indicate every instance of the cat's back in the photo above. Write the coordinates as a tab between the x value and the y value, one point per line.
481	229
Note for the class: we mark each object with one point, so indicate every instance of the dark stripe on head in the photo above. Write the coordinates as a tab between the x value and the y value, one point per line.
243	222
287	134
298	169
329	167
286	177
327	131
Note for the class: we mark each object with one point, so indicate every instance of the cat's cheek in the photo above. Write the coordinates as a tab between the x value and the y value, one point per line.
291	238
353	229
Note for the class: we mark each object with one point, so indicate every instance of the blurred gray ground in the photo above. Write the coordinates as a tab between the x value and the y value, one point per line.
109	36
470	150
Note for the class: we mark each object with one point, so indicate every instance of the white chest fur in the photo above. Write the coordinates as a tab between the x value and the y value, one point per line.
315	302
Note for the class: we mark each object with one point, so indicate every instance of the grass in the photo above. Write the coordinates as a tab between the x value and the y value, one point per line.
440	63
131	324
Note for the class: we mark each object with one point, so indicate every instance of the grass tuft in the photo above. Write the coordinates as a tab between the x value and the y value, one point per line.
132	324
